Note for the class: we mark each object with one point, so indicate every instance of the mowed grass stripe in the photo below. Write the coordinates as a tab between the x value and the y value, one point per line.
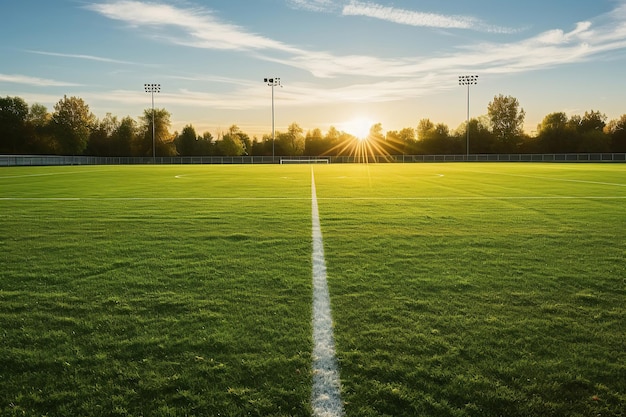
156	182
485	308
557	178
156	307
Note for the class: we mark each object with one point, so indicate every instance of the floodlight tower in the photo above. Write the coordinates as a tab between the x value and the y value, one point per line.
153	88
272	82
468	80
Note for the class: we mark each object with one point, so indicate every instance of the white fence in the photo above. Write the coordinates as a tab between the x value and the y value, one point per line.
40	160
34	160
559	157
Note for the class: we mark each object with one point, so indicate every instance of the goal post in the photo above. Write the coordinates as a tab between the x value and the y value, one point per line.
284	161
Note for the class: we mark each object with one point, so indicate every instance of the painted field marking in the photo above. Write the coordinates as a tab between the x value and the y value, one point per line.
325	397
538	177
450	198
47	174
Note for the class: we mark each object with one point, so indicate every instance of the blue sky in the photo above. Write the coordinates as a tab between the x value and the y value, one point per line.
343	63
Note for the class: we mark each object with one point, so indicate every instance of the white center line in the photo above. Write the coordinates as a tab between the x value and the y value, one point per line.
326	397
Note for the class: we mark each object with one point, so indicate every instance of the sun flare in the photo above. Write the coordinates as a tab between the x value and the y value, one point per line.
358	127
363	140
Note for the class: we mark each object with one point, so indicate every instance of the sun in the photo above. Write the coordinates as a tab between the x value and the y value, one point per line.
358	141
358	127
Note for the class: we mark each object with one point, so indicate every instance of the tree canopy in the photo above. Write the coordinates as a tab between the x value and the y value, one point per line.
13	117
71	129
507	121
72	123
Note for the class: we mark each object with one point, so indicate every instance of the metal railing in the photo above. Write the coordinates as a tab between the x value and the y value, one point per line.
47	160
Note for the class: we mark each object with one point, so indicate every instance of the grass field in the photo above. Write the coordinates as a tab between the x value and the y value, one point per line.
457	289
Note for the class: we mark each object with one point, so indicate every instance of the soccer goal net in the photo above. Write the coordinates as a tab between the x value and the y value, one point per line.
304	161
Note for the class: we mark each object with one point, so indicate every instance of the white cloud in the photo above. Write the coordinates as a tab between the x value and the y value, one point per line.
558	37
315	5
202	29
79	56
407	17
34	81
413	18
403	76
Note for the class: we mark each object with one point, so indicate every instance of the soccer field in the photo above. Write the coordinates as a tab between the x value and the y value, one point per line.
456	289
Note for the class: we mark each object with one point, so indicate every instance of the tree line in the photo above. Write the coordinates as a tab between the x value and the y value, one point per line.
71	129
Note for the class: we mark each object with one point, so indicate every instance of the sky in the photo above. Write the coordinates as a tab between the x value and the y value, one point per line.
342	63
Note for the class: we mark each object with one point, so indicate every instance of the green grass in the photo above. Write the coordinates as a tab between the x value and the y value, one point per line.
476	293
155	307
457	289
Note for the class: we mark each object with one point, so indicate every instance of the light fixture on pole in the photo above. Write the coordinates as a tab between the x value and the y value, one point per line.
153	88
272	82
468	80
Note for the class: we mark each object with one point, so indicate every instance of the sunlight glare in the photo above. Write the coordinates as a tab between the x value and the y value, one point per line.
362	140
358	127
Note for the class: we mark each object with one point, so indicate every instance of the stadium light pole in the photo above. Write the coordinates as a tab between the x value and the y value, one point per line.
272	82
468	80
153	88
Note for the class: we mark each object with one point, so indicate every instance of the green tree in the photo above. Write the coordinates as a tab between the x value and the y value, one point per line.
232	143
554	134
124	137
205	145
594	141
38	115
403	141
376	134
559	134
162	124
13	127
71	125
337	142
507	122
247	144
291	143
333	134
269	145
481	139
314	143
591	133
434	139
616	129
554	121
424	129
260	147
187	141
591	120
101	137
40	138
376	144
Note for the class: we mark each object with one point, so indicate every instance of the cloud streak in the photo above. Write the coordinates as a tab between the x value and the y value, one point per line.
413	18
203	30
314	5
79	56
34	81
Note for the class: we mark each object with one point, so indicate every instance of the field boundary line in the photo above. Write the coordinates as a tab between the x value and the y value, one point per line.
47	174
540	177
325	396
449	198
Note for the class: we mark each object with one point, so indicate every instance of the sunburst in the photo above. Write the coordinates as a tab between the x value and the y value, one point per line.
363	141
358	127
